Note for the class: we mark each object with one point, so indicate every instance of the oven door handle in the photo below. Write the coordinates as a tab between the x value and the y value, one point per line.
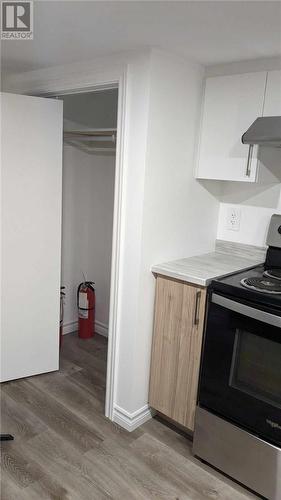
251	312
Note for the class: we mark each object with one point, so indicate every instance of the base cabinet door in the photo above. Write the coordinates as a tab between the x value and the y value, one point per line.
176	349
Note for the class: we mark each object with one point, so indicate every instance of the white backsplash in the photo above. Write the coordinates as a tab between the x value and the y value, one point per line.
254	224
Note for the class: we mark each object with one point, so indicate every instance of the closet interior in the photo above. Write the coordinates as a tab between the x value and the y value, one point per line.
90	131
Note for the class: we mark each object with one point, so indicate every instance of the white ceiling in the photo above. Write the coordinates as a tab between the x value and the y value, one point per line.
210	32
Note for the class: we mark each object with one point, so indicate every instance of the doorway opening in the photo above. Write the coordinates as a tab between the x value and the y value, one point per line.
88	206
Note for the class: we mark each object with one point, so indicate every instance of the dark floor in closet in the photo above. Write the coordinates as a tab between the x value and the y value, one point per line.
65	449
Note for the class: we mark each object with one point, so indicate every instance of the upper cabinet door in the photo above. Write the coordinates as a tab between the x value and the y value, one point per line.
231	104
272	102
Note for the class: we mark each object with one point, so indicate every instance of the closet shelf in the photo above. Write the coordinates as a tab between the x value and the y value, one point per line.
92	141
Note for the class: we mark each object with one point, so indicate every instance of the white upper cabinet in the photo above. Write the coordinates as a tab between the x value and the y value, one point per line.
272	102
231	104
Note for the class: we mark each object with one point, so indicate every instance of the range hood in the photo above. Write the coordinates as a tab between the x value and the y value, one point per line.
265	131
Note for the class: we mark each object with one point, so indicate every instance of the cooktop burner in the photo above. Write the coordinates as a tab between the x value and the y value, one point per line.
263	284
273	273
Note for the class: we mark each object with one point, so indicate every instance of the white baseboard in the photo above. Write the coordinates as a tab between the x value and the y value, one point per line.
72	326
101	328
130	421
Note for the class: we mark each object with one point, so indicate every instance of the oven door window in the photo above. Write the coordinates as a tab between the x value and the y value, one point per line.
255	368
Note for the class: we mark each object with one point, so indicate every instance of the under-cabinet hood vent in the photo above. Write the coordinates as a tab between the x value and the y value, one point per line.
265	131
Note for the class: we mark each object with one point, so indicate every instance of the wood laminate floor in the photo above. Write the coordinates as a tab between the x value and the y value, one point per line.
65	449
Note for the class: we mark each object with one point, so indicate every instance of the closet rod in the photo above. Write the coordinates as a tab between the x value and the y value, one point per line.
106	138
90	135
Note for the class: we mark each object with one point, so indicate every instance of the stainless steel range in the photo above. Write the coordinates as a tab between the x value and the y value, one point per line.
238	417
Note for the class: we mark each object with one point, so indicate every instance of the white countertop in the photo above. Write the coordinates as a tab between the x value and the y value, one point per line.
228	258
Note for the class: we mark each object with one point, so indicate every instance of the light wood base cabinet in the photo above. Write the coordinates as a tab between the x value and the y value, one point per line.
176	349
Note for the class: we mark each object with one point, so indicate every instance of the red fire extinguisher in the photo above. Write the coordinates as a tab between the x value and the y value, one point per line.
86	303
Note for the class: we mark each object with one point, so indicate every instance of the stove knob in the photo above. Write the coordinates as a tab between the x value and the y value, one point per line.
279	229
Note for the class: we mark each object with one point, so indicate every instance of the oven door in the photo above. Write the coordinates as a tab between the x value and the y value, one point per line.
241	366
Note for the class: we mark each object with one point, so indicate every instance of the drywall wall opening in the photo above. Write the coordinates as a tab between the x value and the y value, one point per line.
87	211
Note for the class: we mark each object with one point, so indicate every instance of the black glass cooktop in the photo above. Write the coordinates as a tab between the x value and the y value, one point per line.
253	285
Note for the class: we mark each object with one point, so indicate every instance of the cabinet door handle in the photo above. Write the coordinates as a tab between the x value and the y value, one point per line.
196	311
249	160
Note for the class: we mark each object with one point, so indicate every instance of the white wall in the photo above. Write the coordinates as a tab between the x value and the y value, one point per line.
259	64
133	198
256	205
256	202
88	196
253	226
179	215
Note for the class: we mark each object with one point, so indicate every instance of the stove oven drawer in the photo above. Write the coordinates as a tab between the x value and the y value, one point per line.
241	455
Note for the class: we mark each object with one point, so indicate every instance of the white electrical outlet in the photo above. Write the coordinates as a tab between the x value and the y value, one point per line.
233	218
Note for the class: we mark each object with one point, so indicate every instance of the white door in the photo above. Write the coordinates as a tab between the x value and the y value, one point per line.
31	169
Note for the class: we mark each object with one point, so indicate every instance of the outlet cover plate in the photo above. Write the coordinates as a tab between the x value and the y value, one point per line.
233	218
